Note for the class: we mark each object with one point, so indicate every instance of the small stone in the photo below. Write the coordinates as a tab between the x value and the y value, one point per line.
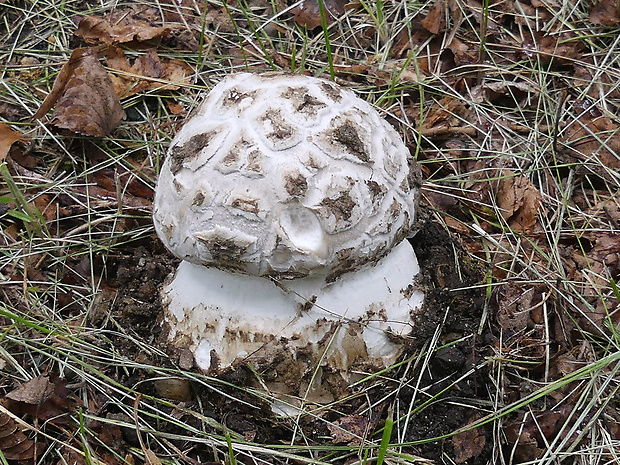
174	389
186	359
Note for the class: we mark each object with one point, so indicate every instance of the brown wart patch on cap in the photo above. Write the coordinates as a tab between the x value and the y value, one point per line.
404	230
234	96
394	210
346	262
347	135
332	91
177	186
199	199
255	161
168	230
303	101
296	185
377	192
226	252
281	129
341	207
246	205
179	154
230	162
312	163
414	176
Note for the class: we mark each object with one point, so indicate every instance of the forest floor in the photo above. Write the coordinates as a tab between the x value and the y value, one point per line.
511	109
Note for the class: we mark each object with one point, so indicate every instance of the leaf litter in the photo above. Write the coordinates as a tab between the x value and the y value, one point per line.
518	141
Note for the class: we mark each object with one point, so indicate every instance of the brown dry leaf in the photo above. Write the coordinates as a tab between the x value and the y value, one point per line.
519	202
596	81
86	101
593	267
176	109
533	434
148	72
151	458
605	13
308	13
559	49
491	91
45	398
528	15
514	305
562	48
435	21
50	208
445	113
10	112
36	391
8	137
14	444
468	444
594	142
94	30
463	53
349	429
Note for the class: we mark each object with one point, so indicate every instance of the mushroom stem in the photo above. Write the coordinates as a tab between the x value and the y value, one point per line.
230	316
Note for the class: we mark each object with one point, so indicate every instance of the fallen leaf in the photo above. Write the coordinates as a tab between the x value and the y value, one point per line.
8	137
514	305
308	13
14	444
10	112
147	72
84	96
468	444
36	391
350	429
435	21
605	13
594	143
45	398
519	202
491	91
591	264
94	29
534	431
446	113
556	49
176	109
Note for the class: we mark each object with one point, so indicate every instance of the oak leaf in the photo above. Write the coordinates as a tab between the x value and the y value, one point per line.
469	443
147	72
308	13
94	29
8	137
46	398
605	13
350	429
84	96
435	21
519	202
593	142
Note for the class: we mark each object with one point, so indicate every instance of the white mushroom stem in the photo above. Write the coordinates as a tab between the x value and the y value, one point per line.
232	316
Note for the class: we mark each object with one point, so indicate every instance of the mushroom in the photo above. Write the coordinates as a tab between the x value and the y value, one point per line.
288	199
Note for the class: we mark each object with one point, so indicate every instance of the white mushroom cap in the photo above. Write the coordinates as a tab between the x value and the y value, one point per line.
285	176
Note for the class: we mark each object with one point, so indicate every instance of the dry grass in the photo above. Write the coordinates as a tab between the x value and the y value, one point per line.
512	111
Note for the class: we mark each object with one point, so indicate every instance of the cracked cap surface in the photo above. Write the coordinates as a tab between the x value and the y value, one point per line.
285	176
